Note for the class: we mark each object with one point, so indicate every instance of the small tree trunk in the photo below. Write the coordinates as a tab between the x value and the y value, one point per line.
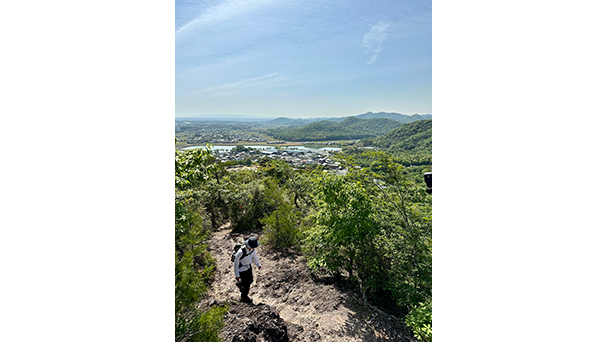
295	200
276	234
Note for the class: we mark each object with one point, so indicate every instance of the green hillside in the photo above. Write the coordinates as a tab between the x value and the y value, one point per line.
351	128
413	137
410	145
395	116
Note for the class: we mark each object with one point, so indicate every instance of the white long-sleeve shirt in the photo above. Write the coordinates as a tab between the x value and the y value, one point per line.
245	261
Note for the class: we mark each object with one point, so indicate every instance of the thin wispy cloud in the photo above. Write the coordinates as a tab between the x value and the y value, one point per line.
221	12
302	57
373	39
250	82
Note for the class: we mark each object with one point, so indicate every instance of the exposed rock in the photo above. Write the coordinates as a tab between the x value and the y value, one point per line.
290	304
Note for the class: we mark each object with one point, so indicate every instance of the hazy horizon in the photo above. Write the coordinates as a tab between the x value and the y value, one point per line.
270	117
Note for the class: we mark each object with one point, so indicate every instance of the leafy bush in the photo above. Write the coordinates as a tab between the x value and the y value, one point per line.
420	320
193	263
280	230
247	206
193	268
201	326
376	226
345	230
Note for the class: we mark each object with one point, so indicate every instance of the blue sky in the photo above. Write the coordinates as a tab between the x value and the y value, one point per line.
302	58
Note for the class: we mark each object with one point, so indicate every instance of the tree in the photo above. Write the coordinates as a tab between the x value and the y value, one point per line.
193	264
245	199
280	225
406	227
239	148
345	230
193	167
375	225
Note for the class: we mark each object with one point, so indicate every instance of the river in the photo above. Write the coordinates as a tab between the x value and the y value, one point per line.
266	147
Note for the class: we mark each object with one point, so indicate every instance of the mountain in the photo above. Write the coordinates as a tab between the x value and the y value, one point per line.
348	129
394	116
412	137
283	121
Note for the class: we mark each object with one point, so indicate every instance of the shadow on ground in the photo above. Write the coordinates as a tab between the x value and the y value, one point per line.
291	304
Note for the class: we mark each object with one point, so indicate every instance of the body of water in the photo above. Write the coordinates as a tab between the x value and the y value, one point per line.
230	147
266	147
300	147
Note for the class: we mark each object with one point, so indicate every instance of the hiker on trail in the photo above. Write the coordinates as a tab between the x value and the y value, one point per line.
242	267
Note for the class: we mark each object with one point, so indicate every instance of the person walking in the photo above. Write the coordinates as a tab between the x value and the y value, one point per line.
242	267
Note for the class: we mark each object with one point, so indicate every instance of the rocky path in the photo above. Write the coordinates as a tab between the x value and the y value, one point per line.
289	304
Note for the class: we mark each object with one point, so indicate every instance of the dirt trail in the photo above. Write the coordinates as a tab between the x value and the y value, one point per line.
289	304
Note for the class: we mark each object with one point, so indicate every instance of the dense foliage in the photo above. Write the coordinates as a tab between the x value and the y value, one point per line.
420	320
193	264
410	145
351	128
375	227
371	228
412	137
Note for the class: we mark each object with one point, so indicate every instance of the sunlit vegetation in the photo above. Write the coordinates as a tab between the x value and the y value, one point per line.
351	128
370	229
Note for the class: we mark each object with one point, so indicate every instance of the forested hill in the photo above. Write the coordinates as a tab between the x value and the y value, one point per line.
351	128
283	121
395	116
410	145
412	137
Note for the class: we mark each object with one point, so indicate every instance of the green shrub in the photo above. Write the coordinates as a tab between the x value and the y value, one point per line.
280	229
200	327
193	264
420	320
247	206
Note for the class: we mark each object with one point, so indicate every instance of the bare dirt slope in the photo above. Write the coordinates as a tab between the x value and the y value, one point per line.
290	304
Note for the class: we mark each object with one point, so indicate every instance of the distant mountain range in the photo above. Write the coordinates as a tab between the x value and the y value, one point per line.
347	129
284	121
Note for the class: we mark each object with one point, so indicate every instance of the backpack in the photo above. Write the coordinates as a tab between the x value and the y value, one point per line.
236	250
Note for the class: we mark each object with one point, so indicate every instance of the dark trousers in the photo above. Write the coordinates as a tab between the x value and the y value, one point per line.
246	280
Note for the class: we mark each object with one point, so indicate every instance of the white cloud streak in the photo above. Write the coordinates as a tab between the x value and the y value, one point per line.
255	81
373	39
224	11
